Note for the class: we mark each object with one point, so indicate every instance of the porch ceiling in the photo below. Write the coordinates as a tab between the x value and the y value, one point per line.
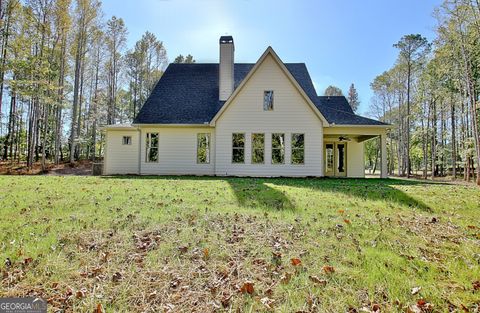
348	137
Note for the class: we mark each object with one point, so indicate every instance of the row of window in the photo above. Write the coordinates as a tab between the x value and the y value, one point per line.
278	148
151	147
238	148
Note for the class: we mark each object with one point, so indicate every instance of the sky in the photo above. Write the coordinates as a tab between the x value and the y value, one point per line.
341	41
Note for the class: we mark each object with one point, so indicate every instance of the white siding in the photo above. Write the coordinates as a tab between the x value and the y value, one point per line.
119	158
177	153
355	159
291	114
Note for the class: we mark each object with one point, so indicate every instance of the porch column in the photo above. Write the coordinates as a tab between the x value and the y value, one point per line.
383	155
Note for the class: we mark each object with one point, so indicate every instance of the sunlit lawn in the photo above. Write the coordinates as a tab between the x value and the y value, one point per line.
186	244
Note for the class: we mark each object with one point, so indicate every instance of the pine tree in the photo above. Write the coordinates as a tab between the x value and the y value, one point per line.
353	98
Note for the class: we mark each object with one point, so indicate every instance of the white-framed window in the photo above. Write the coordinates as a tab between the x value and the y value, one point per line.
268	100
127	140
151	147
298	148
238	148
278	148
203	148
258	148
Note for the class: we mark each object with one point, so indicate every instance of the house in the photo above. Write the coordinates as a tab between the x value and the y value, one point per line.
239	119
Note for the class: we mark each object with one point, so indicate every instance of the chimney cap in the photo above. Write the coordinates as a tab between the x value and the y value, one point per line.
226	39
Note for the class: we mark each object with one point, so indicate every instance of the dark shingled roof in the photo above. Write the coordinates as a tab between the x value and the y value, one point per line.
188	94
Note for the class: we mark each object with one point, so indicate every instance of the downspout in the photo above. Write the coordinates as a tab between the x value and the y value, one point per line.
139	151
104	170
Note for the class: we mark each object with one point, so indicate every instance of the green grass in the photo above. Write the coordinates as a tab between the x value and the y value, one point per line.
188	244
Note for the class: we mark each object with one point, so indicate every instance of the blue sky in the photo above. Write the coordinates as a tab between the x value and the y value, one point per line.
341	41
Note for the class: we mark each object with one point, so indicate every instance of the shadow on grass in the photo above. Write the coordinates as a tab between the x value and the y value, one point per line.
261	192
366	189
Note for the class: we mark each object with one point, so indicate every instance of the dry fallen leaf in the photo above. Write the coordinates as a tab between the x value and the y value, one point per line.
226	300
347	221
476	285
285	279
81	293
267	302
317	280
117	277
206	253
296	261
247	287
341	211
99	308
416	290
421	306
328	269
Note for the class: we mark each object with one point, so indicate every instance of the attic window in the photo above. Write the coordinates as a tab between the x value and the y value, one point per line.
127	140
268	100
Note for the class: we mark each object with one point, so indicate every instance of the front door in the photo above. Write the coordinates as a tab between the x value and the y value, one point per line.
335	159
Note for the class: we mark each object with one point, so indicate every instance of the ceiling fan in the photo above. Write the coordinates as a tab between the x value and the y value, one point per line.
344	138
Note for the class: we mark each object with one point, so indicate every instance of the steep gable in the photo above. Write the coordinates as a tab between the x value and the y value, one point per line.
272	58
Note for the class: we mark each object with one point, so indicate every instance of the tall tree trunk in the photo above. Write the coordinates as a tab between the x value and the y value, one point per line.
58	112
434	138
95	104
407	146
6	35
8	139
454	143
76	91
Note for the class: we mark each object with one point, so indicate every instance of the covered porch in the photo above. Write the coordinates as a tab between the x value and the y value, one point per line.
343	149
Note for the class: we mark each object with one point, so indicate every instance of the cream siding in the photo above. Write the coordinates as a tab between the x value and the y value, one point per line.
177	152
355	159
291	114
119	158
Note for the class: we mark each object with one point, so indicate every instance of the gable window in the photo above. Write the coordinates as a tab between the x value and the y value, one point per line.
278	148
203	148
258	148
127	140
298	148
238	148
152	147
268	100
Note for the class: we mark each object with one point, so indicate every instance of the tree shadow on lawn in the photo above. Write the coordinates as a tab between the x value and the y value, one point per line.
262	192
372	189
249	192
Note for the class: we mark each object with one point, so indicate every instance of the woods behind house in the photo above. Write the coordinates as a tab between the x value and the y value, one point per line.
65	70
431	96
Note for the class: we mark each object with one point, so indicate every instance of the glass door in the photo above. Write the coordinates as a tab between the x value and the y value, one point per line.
329	159
335	159
341	166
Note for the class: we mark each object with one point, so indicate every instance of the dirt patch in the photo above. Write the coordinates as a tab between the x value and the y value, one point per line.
79	169
82	168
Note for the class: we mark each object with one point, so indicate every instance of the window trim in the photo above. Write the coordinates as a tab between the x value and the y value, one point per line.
283	148
292	149
266	109
129	141
253	149
147	146
239	148
207	148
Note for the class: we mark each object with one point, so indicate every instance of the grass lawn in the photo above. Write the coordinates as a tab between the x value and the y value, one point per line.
186	244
